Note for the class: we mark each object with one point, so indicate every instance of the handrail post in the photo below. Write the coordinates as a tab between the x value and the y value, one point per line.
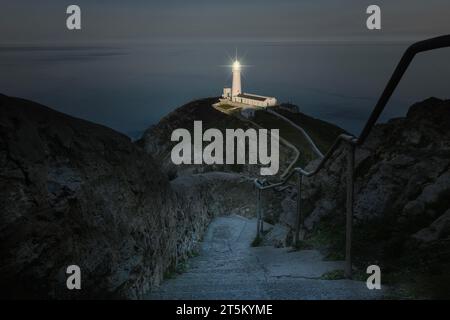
349	214
258	211
261	216
299	219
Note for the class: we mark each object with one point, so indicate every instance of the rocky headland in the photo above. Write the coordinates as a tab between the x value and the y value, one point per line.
74	192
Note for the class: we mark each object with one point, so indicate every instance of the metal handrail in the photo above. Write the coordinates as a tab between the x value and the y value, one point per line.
352	142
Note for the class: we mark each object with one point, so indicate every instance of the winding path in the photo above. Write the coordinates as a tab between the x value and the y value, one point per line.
229	268
304	133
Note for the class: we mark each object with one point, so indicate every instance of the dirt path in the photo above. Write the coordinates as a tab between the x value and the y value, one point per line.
302	131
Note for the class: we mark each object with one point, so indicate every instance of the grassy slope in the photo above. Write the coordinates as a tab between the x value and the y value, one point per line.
322	133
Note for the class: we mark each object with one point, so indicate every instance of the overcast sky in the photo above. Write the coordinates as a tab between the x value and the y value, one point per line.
113	20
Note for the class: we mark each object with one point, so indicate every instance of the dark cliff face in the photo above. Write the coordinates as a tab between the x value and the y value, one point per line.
401	171
73	192
400	161
402	193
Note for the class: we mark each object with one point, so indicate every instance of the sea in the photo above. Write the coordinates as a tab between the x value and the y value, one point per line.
131	86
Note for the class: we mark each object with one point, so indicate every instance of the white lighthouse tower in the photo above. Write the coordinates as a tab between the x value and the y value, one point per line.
236	88
234	96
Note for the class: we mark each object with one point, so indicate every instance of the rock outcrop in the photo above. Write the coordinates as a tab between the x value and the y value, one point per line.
73	192
402	186
439	229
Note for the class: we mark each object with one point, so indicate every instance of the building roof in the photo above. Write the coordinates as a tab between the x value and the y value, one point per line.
252	97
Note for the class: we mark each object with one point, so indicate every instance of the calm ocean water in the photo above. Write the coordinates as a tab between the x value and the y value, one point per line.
131	87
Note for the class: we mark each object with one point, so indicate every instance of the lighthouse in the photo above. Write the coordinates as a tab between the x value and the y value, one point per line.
236	88
234	96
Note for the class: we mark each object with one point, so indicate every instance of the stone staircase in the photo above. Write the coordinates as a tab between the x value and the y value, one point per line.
228	267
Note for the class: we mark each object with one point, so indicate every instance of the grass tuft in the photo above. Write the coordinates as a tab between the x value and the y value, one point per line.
257	241
333	275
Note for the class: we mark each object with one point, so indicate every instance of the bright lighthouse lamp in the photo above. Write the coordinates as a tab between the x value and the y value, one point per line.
237	65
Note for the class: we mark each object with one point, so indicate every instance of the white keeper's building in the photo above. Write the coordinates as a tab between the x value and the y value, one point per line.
234	94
